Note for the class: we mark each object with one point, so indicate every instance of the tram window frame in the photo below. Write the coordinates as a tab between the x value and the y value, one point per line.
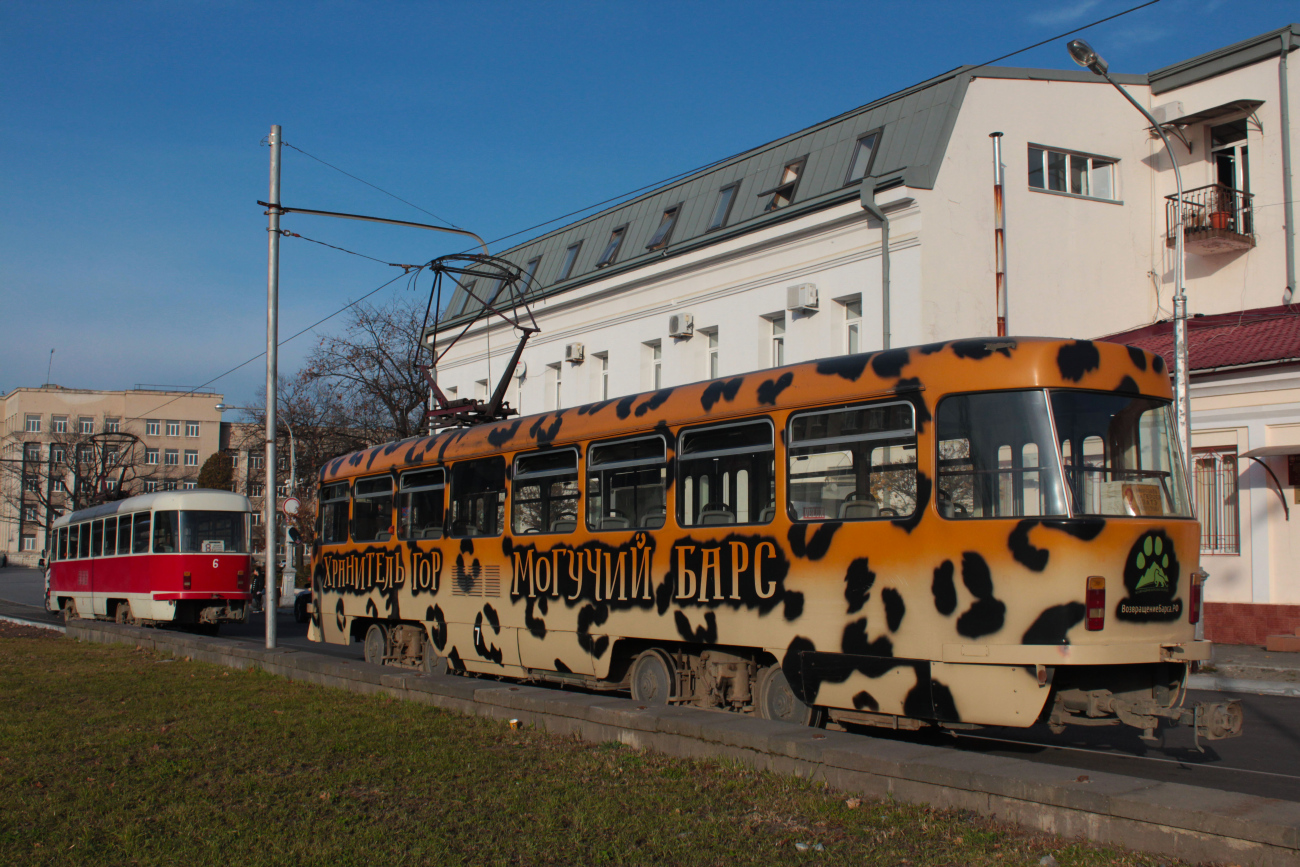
141	532
871	508
110	537
543	478
414	498
124	534
955	504
727	510
474	486
335	521
166	525
97	538
62	543
368	524
600	478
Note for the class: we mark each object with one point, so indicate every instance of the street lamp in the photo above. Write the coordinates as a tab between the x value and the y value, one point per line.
1084	55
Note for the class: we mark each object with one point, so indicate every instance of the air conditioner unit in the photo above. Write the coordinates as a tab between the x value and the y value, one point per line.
573	352
681	325
801	297
1168	111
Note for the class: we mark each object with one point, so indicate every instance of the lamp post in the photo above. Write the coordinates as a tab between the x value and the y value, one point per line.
1084	55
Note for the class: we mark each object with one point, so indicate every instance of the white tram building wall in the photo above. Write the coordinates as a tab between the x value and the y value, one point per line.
1088	256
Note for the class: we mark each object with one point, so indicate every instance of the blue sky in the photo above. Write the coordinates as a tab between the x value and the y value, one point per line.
131	136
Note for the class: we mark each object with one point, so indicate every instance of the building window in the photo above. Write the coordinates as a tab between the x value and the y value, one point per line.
665	230
85	455
1215	472
33	424
32	452
480	390
255	489
29	543
783	193
85	425
863	153
257	519
190	484
604	374
111	457
656	352
1232	165
282	489
234	460
171	458
57	454
570	258
722	210
32	484
777	340
29	513
173	428
256	462
110	484
1074	174
151	456
60	423
553	385
152	427
191	458
170	485
853	326
611	249
60	487
191	428
712	335
112	425
150	486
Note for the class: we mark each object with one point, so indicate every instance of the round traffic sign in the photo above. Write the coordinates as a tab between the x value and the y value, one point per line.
290	506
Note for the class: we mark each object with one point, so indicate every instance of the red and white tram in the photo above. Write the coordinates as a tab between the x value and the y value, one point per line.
168	557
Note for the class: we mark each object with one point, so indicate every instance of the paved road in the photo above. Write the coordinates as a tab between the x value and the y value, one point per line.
1265	761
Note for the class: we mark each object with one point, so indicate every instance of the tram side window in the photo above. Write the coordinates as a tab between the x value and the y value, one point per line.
81	533
996	457
140	533
165	532
546	492
63	543
627	484
419	505
478	497
110	536
97	539
124	534
209	532
372	509
334	513
727	475
854	463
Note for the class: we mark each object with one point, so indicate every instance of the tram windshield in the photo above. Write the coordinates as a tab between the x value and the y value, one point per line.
1120	454
214	532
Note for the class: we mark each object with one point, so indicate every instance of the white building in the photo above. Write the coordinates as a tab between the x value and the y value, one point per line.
774	256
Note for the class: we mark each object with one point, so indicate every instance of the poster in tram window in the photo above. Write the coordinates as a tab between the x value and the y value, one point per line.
1131	498
213	546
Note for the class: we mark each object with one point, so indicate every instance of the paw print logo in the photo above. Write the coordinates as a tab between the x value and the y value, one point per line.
1152	562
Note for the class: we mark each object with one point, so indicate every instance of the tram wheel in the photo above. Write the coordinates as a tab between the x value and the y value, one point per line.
654	679
431	661
376	645
122	614
69	611
777	701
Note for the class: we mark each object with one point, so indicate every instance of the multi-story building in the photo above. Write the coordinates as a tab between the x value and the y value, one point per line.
63	446
876	228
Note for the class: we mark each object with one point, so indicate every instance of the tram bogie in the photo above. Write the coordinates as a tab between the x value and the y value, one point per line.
982	532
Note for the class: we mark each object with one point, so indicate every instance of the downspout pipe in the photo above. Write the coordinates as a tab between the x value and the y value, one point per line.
1288	199
869	205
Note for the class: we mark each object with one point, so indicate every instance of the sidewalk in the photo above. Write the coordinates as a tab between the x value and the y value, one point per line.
1248	668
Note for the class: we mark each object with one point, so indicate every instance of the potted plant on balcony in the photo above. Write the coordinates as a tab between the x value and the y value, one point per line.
1222	215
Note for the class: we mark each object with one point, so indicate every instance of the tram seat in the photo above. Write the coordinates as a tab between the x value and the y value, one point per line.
383	537
766	516
716	513
853	510
564	525
655	519
615	522
430	533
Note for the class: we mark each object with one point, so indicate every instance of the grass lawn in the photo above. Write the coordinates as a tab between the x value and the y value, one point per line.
110	755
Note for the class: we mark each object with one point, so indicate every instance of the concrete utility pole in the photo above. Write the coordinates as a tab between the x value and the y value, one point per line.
272	364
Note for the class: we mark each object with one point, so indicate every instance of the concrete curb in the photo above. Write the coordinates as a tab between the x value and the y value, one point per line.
1168	818
54	626
1218	683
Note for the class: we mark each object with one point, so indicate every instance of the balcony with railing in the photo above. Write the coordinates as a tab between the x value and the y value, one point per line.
1216	219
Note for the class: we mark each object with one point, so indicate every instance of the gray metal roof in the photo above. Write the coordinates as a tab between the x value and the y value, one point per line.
1223	60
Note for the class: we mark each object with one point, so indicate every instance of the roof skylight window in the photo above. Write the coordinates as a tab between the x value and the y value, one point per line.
783	193
611	249
863	155
665	230
570	257
722	211
530	271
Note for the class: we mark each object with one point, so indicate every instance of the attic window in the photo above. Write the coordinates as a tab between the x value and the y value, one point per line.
530	271
722	212
783	193
665	230
455	308
570	256
611	249
863	153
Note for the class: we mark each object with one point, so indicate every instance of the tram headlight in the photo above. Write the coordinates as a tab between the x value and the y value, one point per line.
1095	603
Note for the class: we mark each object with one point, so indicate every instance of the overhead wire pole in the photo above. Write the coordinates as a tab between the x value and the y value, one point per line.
273	211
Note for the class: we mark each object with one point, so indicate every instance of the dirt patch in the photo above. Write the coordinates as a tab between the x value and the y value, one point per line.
15	630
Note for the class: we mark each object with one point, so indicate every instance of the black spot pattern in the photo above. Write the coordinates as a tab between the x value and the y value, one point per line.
1138	357
559	666
770	389
1077	358
945	707
1158	364
816	547
1128	386
655	401
924	487
944	590
854	641
1023	550
437	626
624	407
890	363
857	584
895	608
792	608
719	390
865	701
545	435
1053	624
1084	529
849	367
706	634
987	613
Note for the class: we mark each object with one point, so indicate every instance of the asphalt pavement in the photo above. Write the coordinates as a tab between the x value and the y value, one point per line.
1264	761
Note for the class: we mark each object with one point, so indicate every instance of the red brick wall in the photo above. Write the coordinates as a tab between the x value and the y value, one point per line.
1248	623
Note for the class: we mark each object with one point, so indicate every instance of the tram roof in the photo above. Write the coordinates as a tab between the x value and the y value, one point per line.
161	501
927	371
